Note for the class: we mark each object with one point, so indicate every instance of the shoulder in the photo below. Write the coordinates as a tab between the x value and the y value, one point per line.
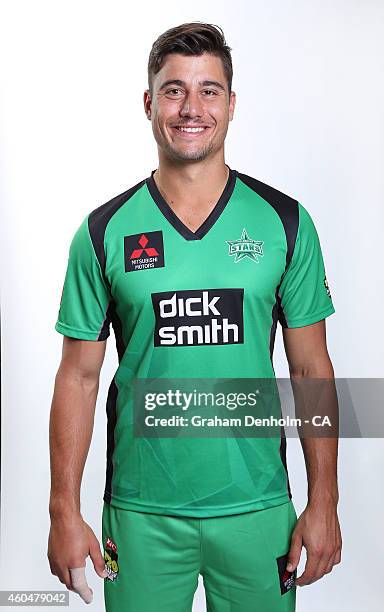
270	194
99	217
286	207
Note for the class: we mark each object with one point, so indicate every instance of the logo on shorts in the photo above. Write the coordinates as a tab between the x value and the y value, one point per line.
245	247
198	316
143	251
111	560
287	579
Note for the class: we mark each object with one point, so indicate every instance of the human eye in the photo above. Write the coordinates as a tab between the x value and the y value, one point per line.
174	91
209	92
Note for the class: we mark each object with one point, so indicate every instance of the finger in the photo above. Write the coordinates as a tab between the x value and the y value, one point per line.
65	578
338	556
326	563
97	558
294	553
80	585
335	558
324	567
330	564
53	569
310	570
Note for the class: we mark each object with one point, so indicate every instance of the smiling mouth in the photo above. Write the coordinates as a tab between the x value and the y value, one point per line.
191	130
188	132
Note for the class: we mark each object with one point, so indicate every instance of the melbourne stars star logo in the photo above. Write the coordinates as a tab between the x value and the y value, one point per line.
245	247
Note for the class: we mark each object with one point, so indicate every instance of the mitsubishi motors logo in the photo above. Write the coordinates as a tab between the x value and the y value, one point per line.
143	241
143	251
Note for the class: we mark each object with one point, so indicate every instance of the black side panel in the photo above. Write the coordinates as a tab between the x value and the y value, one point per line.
112	401
283	455
118	330
104	330
275	318
111	424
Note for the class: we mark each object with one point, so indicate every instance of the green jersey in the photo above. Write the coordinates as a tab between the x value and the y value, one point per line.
186	304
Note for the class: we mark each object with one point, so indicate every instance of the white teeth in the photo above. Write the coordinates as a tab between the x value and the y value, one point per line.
184	129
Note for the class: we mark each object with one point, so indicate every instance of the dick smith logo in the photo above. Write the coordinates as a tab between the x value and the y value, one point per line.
245	247
143	251
198	317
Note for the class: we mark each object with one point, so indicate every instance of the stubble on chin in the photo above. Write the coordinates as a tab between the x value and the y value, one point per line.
197	155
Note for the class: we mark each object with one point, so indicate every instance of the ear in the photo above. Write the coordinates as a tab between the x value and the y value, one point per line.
147	104
232	104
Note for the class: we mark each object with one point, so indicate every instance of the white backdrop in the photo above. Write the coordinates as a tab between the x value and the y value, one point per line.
309	121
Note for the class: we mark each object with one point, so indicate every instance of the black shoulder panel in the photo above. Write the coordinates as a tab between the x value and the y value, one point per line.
287	208
100	217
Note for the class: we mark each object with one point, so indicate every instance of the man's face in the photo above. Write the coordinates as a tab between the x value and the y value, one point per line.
190	106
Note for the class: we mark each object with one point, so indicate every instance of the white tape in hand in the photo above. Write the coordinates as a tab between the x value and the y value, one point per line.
79	583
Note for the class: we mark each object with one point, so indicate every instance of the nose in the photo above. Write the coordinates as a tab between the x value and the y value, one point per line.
192	106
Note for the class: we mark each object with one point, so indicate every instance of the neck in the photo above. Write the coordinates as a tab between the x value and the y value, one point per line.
191	183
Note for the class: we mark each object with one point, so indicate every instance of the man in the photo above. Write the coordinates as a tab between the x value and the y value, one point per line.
193	266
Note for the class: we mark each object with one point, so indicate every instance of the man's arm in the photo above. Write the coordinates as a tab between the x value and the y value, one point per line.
318	527
71	540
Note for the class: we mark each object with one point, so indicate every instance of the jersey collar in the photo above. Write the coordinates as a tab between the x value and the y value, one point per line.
174	220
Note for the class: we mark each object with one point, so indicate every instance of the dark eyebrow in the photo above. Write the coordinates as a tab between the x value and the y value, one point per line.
182	84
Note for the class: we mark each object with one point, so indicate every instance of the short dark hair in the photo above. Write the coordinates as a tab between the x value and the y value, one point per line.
192	38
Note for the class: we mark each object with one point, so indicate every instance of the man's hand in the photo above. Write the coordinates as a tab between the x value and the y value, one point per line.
70	542
318	530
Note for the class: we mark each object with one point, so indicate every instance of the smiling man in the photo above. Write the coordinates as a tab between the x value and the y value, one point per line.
194	267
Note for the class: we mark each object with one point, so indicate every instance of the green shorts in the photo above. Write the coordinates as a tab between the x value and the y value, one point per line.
154	561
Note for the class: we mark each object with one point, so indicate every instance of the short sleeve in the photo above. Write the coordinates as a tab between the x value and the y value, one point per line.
85	299
304	294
